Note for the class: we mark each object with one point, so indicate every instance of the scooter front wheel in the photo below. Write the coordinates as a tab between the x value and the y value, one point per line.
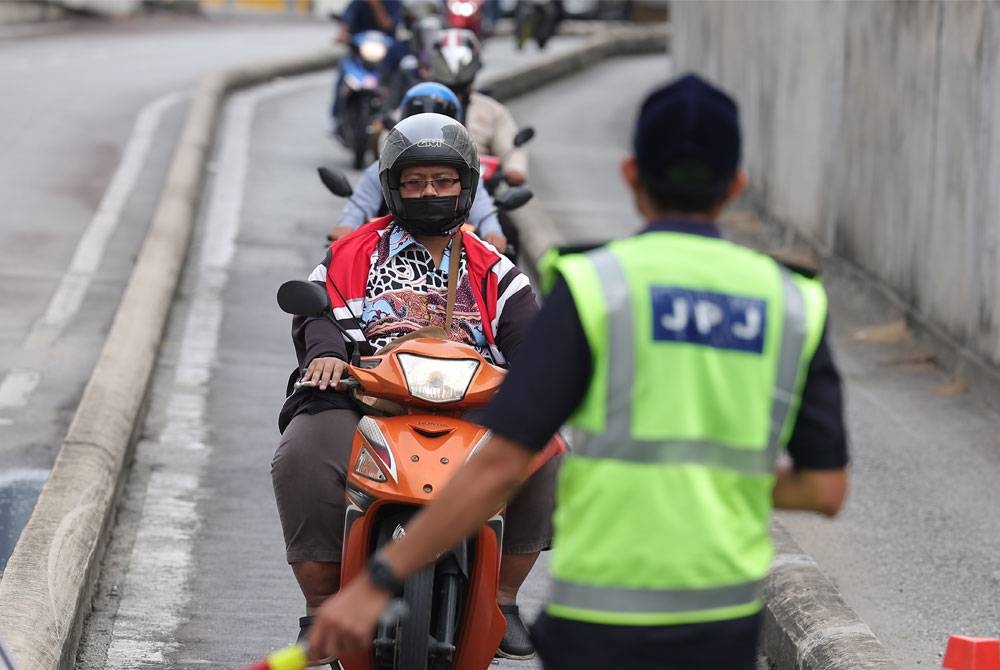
413	633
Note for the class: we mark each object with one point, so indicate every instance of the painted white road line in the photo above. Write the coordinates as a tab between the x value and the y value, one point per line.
66	301
17	386
156	592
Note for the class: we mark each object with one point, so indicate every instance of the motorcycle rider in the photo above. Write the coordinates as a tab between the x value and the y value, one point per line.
454	61
386	279
367	199
359	16
686	363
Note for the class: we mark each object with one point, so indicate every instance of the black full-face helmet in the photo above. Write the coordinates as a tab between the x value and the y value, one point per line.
429	139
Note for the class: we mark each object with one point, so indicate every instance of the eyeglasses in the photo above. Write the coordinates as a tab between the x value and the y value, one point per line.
418	185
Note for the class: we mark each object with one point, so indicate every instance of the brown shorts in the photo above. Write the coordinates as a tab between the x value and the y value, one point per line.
309	472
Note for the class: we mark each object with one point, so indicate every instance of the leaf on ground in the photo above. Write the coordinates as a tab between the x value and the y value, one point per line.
954	387
895	332
918	360
801	258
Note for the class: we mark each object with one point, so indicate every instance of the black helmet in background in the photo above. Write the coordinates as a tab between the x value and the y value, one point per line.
429	139
454	59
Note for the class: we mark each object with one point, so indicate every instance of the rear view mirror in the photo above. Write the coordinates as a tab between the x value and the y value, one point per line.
335	182
513	197
303	298
523	136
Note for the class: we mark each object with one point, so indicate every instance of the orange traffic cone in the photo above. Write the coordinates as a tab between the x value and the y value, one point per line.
972	653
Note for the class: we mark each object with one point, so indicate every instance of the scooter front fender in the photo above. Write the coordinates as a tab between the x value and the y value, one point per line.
418	454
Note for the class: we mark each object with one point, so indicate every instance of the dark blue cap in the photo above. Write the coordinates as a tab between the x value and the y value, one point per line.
688	123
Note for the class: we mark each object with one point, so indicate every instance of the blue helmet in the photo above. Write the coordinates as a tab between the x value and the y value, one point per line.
430	96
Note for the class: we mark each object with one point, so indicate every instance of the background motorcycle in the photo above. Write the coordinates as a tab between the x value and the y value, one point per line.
536	19
496	185
397	465
467	14
363	92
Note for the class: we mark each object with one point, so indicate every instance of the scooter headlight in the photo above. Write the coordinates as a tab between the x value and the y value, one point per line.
437	379
372	51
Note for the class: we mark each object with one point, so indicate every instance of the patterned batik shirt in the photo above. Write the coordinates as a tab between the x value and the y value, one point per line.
406	292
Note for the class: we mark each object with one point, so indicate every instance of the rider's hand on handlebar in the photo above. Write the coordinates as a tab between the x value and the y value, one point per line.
513	177
339	232
324	372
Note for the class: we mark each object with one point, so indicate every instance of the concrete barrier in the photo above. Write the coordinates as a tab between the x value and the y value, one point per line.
29	11
872	129
47	587
807	625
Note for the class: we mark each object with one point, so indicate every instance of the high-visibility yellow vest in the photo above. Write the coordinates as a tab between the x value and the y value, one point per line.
700	350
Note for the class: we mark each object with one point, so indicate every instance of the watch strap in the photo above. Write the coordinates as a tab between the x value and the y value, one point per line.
380	574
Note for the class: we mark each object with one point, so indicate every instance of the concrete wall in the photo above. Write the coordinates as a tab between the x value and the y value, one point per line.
105	7
28	11
872	128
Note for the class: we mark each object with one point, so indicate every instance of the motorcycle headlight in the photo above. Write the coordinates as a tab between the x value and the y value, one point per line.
437	379
372	51
462	8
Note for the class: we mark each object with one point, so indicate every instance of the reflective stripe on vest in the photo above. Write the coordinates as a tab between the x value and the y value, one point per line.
651	601
616	441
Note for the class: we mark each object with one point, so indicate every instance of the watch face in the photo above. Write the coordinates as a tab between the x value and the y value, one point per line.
382	576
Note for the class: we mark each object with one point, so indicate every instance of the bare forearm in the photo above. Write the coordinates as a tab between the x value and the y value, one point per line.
820	491
477	491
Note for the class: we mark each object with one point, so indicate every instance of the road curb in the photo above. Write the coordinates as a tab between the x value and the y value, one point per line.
46	590
807	624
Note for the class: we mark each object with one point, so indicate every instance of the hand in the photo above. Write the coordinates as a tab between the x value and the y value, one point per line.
499	241
345	623
339	232
324	372
513	177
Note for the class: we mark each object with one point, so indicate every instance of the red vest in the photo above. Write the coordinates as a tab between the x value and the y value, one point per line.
350	263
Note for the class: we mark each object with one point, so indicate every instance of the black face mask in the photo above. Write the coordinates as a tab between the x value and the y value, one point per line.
430	216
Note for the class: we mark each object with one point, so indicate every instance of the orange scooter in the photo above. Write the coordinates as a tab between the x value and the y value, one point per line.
397	464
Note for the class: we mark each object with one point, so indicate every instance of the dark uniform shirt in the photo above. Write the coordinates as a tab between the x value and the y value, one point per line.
545	386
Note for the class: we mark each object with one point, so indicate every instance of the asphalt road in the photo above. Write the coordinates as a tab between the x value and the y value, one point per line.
89	116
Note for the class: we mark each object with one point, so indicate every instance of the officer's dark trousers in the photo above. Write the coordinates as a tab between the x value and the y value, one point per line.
563	644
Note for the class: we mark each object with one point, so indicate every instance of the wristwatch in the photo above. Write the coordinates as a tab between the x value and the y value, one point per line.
382	576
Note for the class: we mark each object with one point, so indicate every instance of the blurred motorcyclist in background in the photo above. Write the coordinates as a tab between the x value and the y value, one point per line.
367	201
454	61
359	16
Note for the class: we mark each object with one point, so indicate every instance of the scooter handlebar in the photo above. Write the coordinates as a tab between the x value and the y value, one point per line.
346	384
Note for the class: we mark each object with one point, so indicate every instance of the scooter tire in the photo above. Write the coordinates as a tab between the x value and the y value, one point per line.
414	632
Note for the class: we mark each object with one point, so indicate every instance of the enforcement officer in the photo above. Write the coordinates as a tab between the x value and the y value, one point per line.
685	364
